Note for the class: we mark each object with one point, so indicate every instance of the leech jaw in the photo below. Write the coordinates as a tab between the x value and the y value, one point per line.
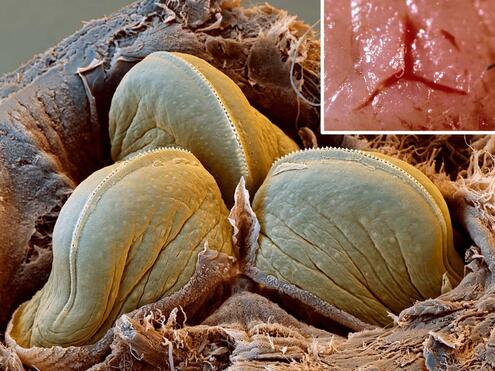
195	106
344	218
129	235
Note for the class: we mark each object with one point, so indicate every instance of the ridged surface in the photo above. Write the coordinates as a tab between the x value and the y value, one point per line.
367	233
175	99
129	235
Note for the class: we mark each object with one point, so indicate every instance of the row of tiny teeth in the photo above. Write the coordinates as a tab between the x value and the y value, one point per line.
363	153
287	156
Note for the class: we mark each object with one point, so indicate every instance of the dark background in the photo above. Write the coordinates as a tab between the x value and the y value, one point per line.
28	27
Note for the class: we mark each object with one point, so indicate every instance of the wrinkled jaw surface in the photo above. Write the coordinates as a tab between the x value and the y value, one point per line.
356	230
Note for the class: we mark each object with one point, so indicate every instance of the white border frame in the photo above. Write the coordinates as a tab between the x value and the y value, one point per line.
363	132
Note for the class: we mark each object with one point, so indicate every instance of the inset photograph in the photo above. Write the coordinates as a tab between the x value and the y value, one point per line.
415	65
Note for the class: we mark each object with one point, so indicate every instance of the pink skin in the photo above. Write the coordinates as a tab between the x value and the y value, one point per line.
409	65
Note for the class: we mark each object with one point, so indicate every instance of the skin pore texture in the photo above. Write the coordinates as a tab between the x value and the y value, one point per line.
175	99
365	232
129	235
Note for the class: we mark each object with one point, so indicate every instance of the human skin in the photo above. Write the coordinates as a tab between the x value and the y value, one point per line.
409	65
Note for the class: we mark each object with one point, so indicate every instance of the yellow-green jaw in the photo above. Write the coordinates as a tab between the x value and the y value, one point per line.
174	99
128	236
365	232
